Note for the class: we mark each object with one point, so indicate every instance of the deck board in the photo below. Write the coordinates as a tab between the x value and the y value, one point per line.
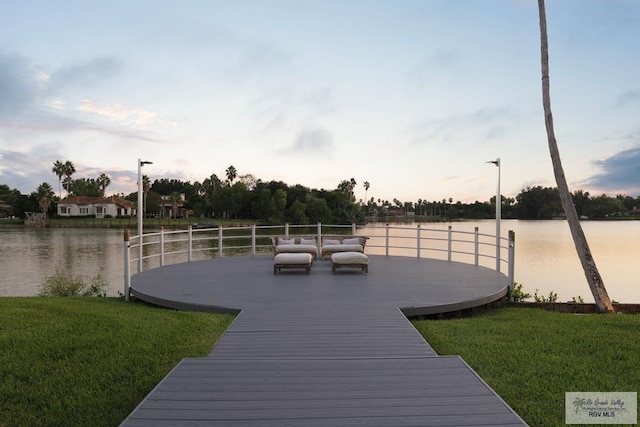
322	350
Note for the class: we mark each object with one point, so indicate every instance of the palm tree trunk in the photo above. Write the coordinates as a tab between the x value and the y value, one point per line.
582	247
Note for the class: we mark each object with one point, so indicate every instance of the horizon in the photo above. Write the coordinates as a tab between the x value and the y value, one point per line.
412	96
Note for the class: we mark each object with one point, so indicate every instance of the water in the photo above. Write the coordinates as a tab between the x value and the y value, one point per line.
28	256
545	256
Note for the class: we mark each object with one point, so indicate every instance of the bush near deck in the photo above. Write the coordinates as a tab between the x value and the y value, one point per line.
531	357
90	361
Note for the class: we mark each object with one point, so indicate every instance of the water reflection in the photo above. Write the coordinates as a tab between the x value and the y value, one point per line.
28	256
545	256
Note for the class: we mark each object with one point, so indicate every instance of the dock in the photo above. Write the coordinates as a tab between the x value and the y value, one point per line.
322	349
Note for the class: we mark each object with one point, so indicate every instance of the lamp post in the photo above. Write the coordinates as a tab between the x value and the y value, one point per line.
140	164
498	214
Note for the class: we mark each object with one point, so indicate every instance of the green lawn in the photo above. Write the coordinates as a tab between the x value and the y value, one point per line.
531	357
90	361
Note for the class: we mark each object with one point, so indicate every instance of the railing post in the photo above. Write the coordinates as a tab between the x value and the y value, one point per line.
512	261
319	237
161	246
449	244
253	239
476	250
190	243
127	261
498	253
140	254
418	241
220	241
286	229
353	228
386	246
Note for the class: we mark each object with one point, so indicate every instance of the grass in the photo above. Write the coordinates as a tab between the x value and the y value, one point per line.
131	222
9	221
90	361
531	357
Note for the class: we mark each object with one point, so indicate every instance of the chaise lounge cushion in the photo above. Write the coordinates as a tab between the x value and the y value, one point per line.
292	260
283	245
331	245
349	259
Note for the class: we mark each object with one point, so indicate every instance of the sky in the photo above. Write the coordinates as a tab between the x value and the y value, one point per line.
412	96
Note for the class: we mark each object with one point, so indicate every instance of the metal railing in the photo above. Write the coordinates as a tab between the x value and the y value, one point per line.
170	247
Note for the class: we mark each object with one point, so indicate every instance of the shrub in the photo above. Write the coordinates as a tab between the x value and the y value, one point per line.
553	297
517	294
62	285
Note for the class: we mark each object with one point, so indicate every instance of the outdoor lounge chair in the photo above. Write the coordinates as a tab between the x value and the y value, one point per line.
294	245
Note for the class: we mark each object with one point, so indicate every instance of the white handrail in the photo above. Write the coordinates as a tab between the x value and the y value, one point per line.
253	239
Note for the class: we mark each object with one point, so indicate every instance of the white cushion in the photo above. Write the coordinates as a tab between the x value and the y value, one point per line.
349	258
331	242
296	249
343	248
351	241
293	258
282	241
307	241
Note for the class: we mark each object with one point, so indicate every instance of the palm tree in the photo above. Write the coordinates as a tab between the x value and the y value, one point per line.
175	200
231	173
600	295
146	185
67	184
366	186
58	169
103	182
69	170
44	194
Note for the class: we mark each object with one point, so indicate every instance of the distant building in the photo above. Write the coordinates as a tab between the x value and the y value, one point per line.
397	211
6	210
166	206
95	206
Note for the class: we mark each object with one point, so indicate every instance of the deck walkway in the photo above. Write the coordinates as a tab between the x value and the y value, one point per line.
323	349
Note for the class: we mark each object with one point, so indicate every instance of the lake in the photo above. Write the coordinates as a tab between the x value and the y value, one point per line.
545	256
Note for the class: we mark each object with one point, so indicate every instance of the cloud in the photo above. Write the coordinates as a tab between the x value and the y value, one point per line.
26	170
90	73
620	173
484	124
131	117
20	84
26	107
283	108
626	99
313	141
442	58
44	122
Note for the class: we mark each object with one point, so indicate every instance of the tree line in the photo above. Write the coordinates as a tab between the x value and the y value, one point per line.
246	197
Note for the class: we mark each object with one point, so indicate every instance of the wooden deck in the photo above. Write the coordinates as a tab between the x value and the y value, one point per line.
322	349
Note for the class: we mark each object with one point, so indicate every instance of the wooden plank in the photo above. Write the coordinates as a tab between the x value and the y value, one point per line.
321	350
298	403
422	421
276	413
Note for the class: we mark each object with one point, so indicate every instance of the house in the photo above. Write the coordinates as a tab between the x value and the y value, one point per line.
397	211
6	210
95	206
167	205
